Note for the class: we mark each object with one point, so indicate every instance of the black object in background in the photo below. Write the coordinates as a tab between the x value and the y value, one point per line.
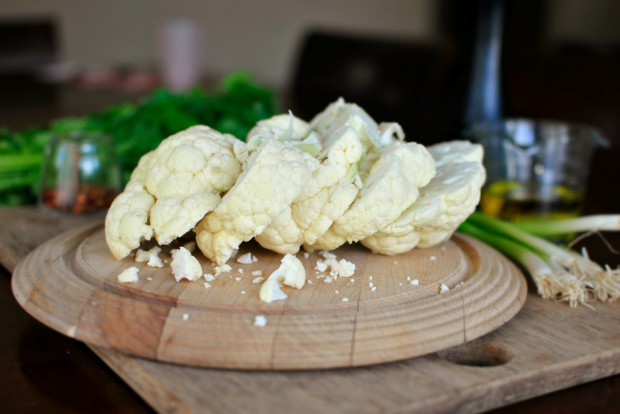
424	86
413	84
26	47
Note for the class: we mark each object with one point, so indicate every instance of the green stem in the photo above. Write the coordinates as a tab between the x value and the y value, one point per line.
602	222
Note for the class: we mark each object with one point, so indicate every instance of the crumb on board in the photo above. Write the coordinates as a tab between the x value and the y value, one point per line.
260	321
129	275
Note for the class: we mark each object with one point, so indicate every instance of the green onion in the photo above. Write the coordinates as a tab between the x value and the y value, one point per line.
602	222
559	273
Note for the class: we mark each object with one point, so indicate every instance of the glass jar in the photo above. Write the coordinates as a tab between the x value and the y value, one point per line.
80	173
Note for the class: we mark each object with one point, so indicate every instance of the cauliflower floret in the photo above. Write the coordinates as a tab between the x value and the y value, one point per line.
391	187
325	196
284	126
272	179
192	168
172	188
349	134
341	113
129	275
450	197
150	257
290	273
184	265
173	216
126	224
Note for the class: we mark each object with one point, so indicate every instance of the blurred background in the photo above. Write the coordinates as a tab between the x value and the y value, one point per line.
410	61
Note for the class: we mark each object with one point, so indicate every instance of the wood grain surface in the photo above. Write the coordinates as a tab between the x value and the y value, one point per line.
70	284
545	347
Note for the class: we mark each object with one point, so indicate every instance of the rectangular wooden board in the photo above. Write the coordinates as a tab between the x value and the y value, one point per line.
546	347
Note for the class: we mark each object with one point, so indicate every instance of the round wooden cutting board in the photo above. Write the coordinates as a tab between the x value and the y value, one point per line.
392	308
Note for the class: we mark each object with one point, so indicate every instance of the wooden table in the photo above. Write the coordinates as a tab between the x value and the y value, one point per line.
47	372
44	371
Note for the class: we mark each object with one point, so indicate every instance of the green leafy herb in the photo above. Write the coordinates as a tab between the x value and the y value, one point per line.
234	107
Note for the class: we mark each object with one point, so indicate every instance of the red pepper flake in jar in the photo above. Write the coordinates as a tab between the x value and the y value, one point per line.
87	198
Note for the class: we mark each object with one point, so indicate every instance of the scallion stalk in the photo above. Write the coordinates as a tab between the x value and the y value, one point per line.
558	272
593	223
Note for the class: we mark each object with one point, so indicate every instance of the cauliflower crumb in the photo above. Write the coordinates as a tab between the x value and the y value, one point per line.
129	275
237	278
240	270
321	265
149	278
150	257
222	269
290	273
345	299
327	255
243	292
433	258
443	288
257	280
328	279
257	273
342	268
310	281
260	321
373	288
184	265
185	316
207	285
306	255
338	268
337	292
247	258
209	277
414	282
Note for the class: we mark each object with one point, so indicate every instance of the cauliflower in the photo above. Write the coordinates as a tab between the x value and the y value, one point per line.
126	224
339	178
390	187
341	113
332	181
272	179
290	273
449	198
347	135
150	257
184	265
129	275
171	189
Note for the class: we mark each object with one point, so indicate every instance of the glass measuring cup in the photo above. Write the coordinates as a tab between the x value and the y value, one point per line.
80	173
535	169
